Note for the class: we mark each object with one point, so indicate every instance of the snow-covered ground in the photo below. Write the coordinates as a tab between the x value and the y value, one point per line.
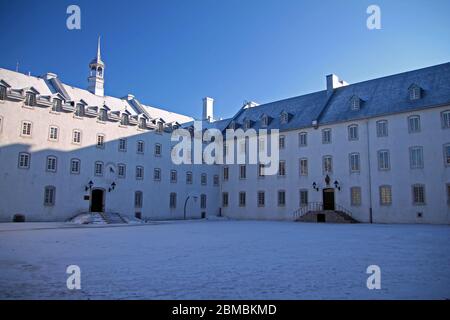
225	260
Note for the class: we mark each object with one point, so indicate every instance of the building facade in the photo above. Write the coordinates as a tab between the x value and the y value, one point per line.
379	149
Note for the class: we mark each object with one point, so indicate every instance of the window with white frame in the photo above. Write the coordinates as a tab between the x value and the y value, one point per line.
75	166
189	177
216	180
326	136
157	174
57	105
203	201
103	115
173	176
125	120
51	164
282	142
413	124
327	164
447	154
242	199
418	193
53	133
24	160
385	195
121	170
224	199
140	146
445	119
79	110
355	103
30	99
138	199
355	196
382	128
242	171
158	150
203	179
98	168
383	160
122	145
303	166
354	159
416	157
261	199
302	139
303	197
139	172
49	195
100	141
281	198
226	171
414	92
76	136
26	128
353	132
265	121
2	93
284	118
282	168
173	200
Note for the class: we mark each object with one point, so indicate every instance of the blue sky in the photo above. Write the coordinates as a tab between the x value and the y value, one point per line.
171	53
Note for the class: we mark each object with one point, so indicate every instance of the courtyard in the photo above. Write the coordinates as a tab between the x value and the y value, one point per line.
208	259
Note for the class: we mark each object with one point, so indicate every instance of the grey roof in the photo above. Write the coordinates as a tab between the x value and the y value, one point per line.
379	97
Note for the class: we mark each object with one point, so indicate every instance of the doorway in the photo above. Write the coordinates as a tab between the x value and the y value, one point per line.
328	199
97	200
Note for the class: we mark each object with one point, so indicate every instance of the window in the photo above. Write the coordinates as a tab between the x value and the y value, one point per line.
445	119
383	160
123	145
173	176
265	121
173	200
282	168
216	180
26	128
138	199
354	162
382	128
242	171
326	136
225	173
98	169
355	103
418	192
53	133
79	110
76	136
57	105
303	197
385	195
261	170
414	92
75	166
100	141
2	93
30	99
416	157
203	179
303	167
281	198
121	170
140	146
157	174
189	177
327	164
447	154
225	149
24	160
157	150
261	199
302	139
355	196
282	141
224	199
242	199
51	164
103	115
125	120
284	117
139	172
203	201
142	123
49	196
413	124
448	193
353	132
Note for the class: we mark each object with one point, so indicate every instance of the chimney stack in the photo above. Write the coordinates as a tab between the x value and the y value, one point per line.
208	106
334	82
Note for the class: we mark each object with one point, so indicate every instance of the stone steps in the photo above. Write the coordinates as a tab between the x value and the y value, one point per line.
330	216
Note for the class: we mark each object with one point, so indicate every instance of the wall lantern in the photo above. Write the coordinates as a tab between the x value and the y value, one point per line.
336	184
113	186
315	187
89	186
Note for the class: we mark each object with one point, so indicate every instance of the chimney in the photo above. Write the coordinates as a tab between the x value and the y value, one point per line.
208	106
334	82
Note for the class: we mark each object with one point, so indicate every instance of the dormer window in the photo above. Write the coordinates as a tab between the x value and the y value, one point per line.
79	110
30	99
103	115
415	92
355	103
57	104
142	123
265	120
247	124
125	119
284	117
2	93
160	127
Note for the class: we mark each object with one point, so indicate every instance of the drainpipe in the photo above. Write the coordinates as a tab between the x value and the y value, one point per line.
369	171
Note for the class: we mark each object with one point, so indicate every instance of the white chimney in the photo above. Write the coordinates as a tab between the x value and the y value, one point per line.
333	82
208	106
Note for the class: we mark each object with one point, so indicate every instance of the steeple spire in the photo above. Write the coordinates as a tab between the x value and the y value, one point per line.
96	75
99	57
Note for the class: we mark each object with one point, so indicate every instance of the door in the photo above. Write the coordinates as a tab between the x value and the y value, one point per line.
97	200
328	199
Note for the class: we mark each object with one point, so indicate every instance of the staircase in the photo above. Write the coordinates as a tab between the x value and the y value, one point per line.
112	217
314	212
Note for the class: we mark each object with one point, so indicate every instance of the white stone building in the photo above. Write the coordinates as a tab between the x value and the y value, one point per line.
378	149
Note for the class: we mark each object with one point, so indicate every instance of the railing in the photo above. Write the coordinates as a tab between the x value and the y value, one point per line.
342	209
311	206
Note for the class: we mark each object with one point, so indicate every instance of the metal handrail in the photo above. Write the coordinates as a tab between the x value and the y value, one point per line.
317	206
338	207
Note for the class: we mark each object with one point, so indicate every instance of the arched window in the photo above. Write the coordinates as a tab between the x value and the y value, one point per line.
30	99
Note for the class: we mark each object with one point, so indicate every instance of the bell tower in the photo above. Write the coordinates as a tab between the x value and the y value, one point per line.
96	74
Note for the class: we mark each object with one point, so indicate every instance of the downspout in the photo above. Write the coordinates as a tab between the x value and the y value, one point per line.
369	171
